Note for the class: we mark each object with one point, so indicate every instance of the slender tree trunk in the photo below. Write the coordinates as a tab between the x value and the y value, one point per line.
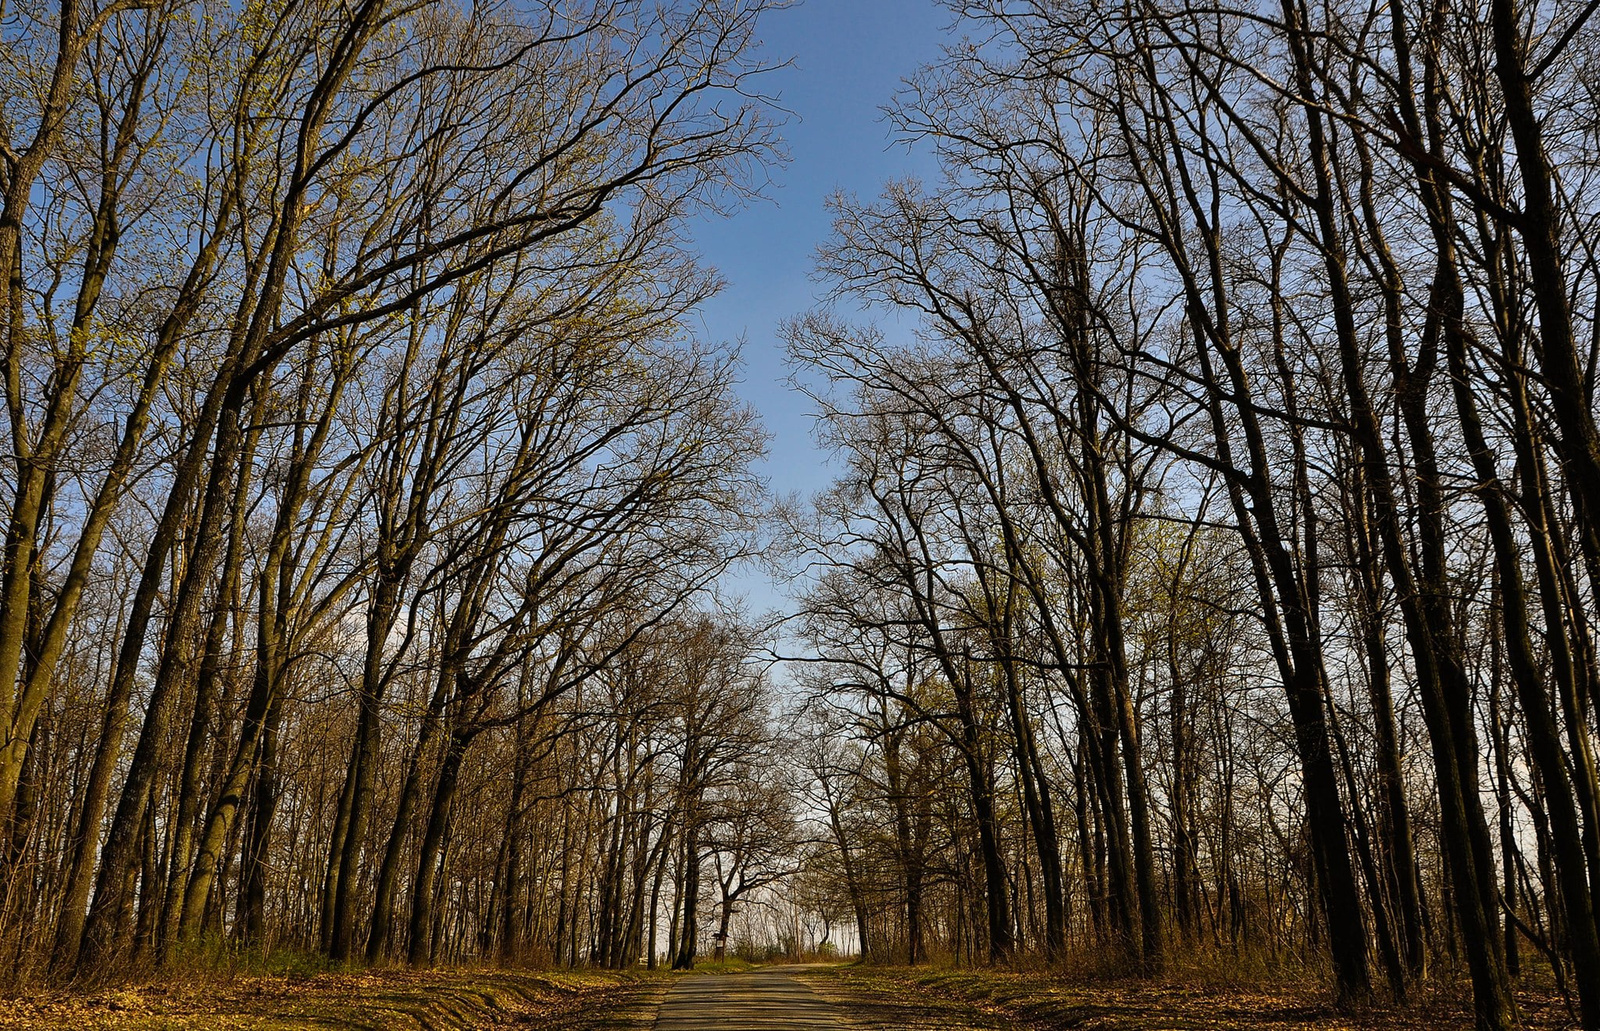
258	831
388	873
361	778
109	910
689	898
430	861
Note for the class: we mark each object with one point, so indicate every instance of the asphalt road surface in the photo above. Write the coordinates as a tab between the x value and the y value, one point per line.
761	1000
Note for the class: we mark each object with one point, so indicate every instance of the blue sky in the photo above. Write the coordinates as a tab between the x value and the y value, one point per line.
849	59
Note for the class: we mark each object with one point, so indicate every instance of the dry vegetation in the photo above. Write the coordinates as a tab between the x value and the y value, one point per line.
920	999
378	1000
868	998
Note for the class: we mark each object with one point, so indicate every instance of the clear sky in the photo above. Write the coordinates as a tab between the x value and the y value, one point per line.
849	59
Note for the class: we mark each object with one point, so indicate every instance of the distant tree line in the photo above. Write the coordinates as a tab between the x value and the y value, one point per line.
364	484
1214	568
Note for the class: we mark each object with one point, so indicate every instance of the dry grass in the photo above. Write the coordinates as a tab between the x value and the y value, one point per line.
383	1000
870	998
922	1000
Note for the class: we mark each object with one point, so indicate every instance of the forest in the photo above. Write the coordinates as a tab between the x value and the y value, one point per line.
1210	573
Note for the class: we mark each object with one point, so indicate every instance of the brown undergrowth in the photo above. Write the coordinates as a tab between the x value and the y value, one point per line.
924	999
376	1000
869	998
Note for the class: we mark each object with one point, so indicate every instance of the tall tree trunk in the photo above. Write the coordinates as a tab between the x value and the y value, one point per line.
361	778
108	912
388	872
431	858
689	897
252	922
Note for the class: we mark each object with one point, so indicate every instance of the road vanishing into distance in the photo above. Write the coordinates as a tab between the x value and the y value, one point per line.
761	1000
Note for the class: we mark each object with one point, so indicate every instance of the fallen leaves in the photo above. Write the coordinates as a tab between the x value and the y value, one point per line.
914	999
379	1000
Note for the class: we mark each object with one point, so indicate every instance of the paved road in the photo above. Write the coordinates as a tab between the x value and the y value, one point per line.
760	1000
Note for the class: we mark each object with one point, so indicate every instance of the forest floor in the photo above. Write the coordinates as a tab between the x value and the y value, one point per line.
867	999
921	999
378	1000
